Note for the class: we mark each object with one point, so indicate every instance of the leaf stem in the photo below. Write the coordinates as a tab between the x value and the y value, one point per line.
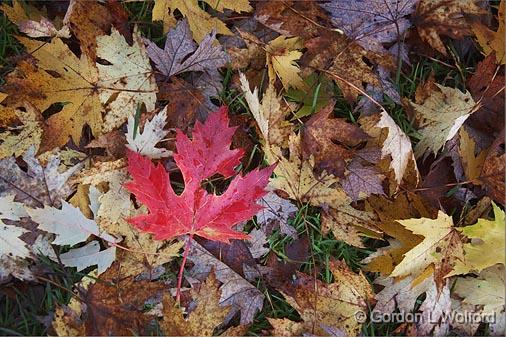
181	269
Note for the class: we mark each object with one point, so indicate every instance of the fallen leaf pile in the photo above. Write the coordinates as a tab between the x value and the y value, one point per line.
288	168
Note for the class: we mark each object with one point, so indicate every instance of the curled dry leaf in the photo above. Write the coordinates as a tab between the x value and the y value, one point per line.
396	144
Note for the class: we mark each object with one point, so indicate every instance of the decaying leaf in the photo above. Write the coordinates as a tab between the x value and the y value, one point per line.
436	18
281	53
276	212
319	303
362	181
440	117
492	173
235	291
349	224
38	185
115	304
471	162
88	20
320	135
20	12
487	87
486	290
202	320
403	240
372	23
295	177
126	81
181	54
14	142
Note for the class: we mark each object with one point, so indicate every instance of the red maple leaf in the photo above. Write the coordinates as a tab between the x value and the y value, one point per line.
195	211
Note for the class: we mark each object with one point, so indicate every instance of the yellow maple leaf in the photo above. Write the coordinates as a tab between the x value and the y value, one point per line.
404	206
81	89
440	117
441	247
487	244
201	23
295	177
491	41
203	320
281	53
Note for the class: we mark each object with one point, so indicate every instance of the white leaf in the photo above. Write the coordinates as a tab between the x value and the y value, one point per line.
42	246
94	195
145	142
68	223
43	28
257	242
89	255
11	210
277	211
10	243
397	145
